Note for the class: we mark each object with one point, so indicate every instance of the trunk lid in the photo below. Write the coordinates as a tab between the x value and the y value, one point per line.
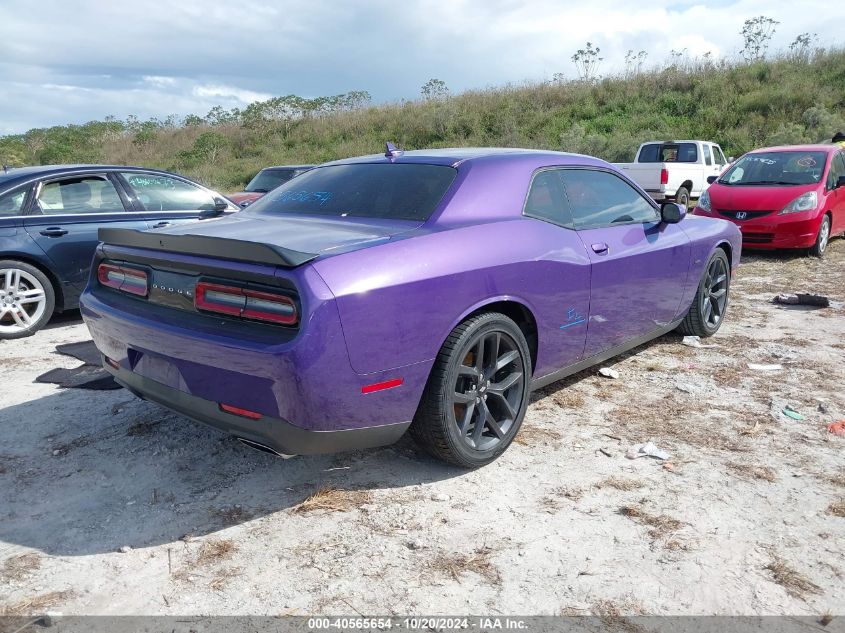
301	233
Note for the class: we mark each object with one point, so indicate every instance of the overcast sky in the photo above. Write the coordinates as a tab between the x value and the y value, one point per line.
73	61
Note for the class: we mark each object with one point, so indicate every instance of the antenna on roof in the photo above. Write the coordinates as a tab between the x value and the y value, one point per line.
391	151
5	168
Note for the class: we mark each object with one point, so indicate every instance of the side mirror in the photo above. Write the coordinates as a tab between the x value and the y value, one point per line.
730	159
220	205
711	179
671	213
840	182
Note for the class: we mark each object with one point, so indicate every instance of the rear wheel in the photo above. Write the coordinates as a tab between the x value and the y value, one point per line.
477	393
27	299
708	309
822	239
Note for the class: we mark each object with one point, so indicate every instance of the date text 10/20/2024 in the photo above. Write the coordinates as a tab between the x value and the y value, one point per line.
414	623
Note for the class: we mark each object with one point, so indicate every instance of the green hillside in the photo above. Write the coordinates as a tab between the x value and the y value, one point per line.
741	106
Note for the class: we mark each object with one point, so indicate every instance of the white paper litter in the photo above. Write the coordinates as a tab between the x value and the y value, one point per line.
646	450
759	367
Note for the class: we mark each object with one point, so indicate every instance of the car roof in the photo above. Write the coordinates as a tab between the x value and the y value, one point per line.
455	156
810	147
15	175
287	167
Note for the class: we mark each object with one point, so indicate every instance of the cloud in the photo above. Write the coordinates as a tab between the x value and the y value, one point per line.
72	62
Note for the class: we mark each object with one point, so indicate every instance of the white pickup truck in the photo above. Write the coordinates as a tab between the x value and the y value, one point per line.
675	170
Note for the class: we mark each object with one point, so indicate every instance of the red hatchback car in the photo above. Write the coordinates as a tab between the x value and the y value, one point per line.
782	197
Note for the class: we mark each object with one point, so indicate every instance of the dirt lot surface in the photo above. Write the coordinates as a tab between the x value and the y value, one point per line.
110	505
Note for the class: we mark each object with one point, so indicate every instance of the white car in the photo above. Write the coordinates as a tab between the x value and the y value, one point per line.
675	170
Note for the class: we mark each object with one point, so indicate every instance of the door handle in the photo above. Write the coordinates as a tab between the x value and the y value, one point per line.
600	247
54	231
161	225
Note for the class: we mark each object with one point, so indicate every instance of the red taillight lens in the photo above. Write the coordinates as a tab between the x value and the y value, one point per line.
246	303
244	413
664	176
123	278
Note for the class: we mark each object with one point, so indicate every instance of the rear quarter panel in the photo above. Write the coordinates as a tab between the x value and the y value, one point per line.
399	301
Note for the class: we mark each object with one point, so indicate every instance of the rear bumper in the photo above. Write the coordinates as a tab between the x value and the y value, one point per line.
274	433
305	383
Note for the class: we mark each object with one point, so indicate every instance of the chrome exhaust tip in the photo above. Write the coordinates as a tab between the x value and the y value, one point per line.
263	448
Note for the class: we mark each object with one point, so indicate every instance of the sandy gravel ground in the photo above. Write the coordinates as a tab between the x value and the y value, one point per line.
109	505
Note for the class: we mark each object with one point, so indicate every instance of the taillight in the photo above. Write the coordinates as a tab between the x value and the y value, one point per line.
246	303
244	413
123	278
664	176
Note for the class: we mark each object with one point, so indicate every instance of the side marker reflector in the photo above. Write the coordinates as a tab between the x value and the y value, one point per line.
244	413
381	386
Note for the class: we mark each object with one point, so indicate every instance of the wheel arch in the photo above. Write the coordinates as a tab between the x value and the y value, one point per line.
687	184
54	280
518	312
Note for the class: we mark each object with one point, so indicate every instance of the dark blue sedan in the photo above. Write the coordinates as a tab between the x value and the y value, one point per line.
49	217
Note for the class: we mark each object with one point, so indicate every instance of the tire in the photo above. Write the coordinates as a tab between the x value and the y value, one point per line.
682	197
447	420
822	239
27	299
713	289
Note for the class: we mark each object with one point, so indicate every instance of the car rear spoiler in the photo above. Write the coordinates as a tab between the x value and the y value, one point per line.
207	246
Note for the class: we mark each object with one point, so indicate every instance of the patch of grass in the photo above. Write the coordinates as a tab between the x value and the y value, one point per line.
478	562
661	525
568	398
331	499
620	484
837	508
796	584
215	551
532	435
18	567
221	578
37	605
838	479
231	515
751	471
612	616
143	427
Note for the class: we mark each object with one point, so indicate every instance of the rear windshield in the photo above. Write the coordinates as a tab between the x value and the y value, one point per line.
369	190
776	168
268	179
668	153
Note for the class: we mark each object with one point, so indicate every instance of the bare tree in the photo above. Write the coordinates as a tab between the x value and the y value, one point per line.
587	61
634	62
802	45
434	90
757	33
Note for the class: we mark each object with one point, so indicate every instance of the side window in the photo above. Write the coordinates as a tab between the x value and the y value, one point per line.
837	169
162	193
84	194
599	198
11	202
649	153
719	156
546	199
707	159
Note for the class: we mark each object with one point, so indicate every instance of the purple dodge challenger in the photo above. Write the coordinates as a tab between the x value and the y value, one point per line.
428	291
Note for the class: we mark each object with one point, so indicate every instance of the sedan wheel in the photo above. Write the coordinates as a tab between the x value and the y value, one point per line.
26	300
477	393
488	391
822	239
